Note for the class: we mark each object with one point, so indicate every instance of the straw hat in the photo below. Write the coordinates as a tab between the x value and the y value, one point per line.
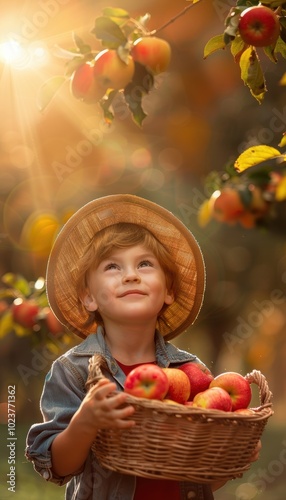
96	215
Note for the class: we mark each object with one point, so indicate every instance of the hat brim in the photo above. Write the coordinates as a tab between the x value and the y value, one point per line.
98	214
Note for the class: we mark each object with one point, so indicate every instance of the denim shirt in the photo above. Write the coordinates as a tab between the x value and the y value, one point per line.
63	392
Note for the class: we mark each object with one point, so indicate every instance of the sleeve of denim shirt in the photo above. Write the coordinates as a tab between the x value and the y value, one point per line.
62	395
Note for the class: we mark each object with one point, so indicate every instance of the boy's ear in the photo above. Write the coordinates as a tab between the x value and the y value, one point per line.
169	298
88	301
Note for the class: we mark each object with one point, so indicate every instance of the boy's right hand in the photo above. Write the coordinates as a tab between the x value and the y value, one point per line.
101	409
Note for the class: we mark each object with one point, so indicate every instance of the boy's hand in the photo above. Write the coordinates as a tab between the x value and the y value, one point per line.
101	409
256	452
255	456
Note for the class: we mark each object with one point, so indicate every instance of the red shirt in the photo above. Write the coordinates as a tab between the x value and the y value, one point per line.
153	489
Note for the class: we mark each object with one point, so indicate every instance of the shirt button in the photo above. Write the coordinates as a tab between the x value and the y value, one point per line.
46	474
191	494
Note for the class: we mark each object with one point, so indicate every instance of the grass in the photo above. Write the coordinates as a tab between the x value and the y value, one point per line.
29	485
269	473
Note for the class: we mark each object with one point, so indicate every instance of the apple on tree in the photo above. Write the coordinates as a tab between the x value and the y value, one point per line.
214	398
199	375
25	312
179	385
237	387
111	72
52	322
152	52
147	381
259	26
84	86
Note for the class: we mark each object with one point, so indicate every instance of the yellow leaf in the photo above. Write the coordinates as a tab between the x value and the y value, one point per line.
282	143
215	43
282	81
280	194
255	155
252	74
204	214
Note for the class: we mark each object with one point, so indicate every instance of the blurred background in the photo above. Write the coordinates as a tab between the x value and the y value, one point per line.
200	115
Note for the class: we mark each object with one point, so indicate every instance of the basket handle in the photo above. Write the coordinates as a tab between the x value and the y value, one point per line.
96	363
259	379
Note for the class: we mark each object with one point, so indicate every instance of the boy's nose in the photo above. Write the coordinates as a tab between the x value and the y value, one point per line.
131	276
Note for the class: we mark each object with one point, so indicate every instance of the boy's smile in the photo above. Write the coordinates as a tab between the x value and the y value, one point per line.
129	285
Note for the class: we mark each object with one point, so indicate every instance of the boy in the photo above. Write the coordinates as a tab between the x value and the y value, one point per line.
127	276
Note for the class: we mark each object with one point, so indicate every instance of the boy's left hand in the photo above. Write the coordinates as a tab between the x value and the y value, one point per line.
256	452
255	456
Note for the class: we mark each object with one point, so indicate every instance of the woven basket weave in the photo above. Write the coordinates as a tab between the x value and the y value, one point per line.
180	442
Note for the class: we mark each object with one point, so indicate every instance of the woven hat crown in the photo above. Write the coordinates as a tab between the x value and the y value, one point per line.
80	229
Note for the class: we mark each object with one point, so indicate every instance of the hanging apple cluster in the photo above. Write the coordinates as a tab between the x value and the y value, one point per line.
24	311
130	58
250	26
248	192
191	384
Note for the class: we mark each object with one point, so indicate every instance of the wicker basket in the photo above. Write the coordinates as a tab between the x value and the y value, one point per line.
180	442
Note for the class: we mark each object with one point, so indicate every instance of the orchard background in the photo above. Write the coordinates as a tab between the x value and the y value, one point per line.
58	153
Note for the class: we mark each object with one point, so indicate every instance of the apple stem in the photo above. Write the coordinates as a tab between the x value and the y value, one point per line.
173	19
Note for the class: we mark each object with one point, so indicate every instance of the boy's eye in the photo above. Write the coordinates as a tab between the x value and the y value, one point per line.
145	263
111	265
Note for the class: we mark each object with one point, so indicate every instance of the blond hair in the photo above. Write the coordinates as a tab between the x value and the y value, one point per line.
119	236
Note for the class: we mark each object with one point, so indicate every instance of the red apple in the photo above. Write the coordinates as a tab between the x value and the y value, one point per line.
179	385
147	381
237	387
84	86
245	411
52	322
152	52
199	375
25	312
226	205
214	398
259	26
111	72
170	401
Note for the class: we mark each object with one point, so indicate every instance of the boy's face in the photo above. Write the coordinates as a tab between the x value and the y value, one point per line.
128	286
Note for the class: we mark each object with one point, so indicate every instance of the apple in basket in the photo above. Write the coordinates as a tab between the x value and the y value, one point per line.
199	375
237	387
147	381
215	398
179	385
245	411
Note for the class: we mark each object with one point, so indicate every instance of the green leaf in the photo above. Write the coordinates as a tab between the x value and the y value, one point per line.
251	73
215	43
143	20
18	283
245	196
255	155
280	47
134	92
105	105
109	33
269	51
116	13
58	51
82	47
232	21
48	90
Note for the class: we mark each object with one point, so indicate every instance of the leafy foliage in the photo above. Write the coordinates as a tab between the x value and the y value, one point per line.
247	192
36	319
247	55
